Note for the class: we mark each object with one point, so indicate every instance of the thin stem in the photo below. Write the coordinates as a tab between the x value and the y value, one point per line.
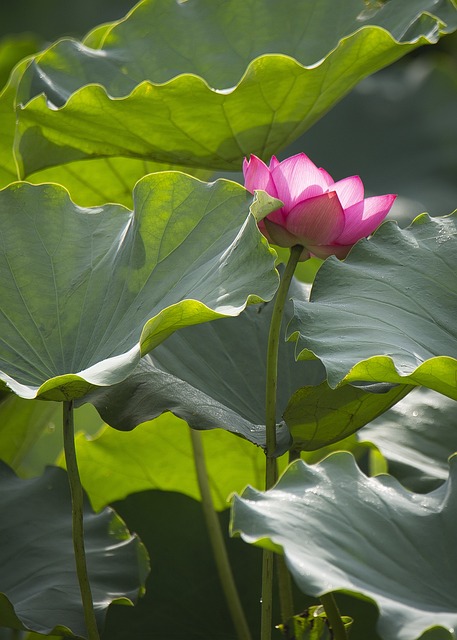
270	422
78	527
333	616
267	594
286	599
217	541
272	363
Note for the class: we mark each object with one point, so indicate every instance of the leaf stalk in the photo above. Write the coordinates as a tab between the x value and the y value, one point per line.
77	519
270	423
217	541
333	617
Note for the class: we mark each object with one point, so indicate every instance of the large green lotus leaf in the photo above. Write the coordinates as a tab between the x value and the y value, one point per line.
91	290
318	416
96	182
38	583
211	376
204	82
90	182
158	455
387	313
417	436
340	530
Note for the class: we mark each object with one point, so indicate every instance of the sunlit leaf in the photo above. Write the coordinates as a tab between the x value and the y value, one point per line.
21	424
91	182
158	455
340	530
91	290
14	48
31	432
187	83
38	583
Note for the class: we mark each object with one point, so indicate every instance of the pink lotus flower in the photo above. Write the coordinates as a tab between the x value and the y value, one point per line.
323	216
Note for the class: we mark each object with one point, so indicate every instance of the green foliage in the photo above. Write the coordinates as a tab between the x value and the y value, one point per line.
169	66
398	134
38	586
387	311
158	455
90	290
91	295
361	522
310	625
212	376
417	436
318	416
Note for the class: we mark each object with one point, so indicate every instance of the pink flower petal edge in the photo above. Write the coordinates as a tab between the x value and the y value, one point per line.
364	217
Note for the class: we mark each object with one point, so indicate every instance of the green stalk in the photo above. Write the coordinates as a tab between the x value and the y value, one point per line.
334	617
270	422
217	541
78	527
286	600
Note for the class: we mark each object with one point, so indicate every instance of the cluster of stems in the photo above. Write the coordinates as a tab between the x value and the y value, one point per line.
211	517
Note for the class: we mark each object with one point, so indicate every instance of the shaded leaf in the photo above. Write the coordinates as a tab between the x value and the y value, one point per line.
186	581
259	88
417	436
387	313
375	538
38	583
183	599
213	376
90	290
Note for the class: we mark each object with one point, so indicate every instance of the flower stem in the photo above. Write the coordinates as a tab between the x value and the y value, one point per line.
78	527
217	541
333	617
270	422
286	599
